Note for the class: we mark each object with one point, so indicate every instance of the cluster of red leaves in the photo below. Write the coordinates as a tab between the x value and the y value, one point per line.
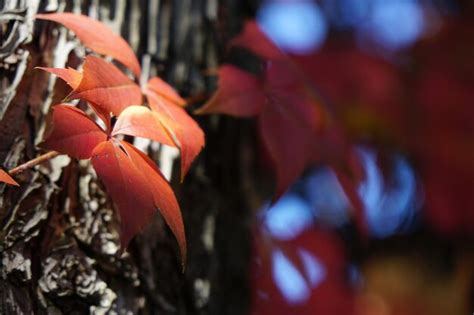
424	111
296	128
131	178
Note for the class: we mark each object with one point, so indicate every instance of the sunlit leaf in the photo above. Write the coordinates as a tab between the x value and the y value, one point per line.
163	195
165	90
71	76
103	114
186	133
106	86
74	133
128	187
140	121
98	37
6	178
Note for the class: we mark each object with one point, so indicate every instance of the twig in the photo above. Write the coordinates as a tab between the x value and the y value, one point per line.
31	163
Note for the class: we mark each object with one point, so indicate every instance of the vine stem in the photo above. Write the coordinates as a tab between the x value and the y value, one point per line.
31	163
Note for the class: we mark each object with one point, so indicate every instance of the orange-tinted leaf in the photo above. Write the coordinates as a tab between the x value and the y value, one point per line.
165	90
6	178
255	40
98	37
73	79
140	121
186	133
103	114
74	133
107	87
128	187
239	94
71	76
163	195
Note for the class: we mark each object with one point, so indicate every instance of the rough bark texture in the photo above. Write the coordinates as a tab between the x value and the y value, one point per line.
59	239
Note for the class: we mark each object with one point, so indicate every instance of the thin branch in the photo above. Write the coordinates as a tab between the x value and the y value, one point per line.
31	163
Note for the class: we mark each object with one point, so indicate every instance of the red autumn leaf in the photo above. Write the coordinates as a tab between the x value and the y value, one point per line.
140	121
287	143
98	37
253	38
103	114
163	89
363	91
442	139
128	187
239	94
107	87
71	76
73	79
163	195
74	133
185	132
289	117
6	178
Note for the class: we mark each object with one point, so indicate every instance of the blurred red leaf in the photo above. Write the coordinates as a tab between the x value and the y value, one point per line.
6	178
74	133
163	195
140	121
185	132
289	117
364	92
127	185
106	87
288	144
165	90
442	144
98	37
239	94
253	38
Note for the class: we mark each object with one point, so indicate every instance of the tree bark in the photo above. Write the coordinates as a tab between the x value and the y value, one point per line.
59	239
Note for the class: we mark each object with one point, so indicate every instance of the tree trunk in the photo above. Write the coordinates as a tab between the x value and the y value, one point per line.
59	240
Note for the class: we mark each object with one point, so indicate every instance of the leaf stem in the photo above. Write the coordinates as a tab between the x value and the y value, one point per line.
31	163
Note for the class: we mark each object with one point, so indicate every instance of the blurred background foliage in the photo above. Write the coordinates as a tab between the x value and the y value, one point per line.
398	75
